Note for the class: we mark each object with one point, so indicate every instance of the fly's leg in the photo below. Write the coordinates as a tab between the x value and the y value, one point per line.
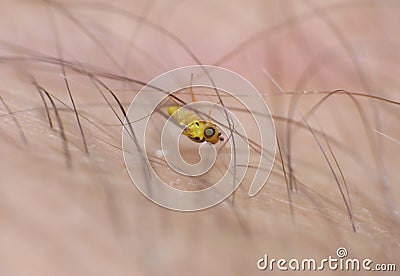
193	96
191	93
191	88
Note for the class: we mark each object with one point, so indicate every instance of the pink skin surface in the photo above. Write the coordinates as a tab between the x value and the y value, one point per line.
85	217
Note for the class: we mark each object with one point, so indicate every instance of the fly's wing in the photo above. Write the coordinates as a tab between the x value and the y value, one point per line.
182	116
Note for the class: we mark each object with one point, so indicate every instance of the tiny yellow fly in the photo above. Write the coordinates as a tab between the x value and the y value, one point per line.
196	129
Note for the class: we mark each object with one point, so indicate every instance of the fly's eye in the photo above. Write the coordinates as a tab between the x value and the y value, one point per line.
209	132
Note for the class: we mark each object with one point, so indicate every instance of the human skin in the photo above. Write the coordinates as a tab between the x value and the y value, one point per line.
68	212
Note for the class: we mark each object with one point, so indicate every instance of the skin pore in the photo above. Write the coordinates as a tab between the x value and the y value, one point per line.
67	203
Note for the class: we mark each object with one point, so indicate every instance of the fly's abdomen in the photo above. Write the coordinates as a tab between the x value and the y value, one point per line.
181	115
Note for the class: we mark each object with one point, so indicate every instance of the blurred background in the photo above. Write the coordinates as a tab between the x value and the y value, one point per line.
67	204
